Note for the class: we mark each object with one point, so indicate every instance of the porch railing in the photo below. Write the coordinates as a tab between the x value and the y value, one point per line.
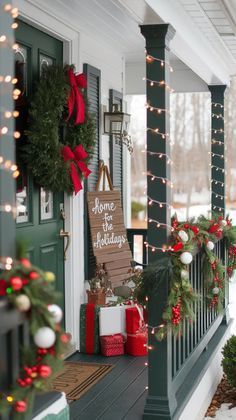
196	336
186	350
14	334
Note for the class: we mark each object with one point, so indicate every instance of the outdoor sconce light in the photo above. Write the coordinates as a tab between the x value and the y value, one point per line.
116	124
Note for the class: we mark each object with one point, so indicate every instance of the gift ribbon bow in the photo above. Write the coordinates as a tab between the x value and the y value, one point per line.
75	99
76	157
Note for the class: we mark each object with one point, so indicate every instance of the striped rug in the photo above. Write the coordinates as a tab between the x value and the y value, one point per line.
76	378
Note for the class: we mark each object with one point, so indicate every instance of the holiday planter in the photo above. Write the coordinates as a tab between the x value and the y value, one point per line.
112	345
134	319
96	297
136	344
89	328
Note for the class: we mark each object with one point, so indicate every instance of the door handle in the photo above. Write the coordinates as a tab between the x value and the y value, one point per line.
66	235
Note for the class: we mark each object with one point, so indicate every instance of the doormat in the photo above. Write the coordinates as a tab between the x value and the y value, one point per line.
76	378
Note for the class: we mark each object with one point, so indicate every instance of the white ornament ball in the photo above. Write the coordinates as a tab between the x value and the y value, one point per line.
184	274
223	223
23	303
210	245
45	337
186	257
215	290
56	313
183	236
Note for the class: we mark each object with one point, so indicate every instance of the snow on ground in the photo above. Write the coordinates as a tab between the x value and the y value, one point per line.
224	413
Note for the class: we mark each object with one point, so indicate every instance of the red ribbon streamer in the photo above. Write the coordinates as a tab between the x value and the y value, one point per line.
89	328
76	157
75	99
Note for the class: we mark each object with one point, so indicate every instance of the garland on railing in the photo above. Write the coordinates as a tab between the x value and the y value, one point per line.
186	240
30	290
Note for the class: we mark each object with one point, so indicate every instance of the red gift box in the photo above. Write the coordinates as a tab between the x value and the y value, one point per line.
112	345
136	344
134	319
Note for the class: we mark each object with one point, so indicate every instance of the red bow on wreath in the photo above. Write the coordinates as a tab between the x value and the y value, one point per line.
76	156
75	99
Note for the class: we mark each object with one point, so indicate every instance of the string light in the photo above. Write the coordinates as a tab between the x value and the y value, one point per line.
218	116
158	110
217	168
160	178
150	59
160	203
156	131
217	131
215	104
217	207
160	224
217	182
3	38
218	195
216	154
158	83
220	143
169	161
8	208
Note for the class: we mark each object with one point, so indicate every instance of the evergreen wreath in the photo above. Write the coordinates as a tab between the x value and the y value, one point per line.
59	147
30	290
186	240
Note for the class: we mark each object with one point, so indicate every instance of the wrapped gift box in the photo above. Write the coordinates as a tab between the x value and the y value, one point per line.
89	328
112	320
112	345
136	344
134	319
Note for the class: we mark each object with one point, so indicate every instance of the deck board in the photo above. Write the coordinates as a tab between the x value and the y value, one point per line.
124	386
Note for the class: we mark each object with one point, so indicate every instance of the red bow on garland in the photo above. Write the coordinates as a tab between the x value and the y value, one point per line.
76	156
75	99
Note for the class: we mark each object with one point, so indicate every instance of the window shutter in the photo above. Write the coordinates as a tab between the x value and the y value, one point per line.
93	76
116	151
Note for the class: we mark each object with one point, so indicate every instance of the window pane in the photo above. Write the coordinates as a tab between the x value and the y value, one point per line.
190	133
230	149
137	130
46	204
22	197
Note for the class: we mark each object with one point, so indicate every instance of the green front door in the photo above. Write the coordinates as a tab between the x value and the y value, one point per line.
39	212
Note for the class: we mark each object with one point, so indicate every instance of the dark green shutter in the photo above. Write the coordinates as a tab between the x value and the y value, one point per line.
116	151
93	76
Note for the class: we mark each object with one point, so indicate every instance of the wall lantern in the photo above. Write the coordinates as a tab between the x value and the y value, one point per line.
116	124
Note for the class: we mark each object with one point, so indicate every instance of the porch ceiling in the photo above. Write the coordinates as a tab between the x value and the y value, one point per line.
205	40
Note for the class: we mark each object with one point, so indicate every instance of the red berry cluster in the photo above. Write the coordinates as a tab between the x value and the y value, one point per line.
176	314
33	372
214	301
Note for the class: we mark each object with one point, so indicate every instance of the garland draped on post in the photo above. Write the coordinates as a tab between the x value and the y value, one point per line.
187	239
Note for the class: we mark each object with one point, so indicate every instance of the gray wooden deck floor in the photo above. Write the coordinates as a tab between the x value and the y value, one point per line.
119	395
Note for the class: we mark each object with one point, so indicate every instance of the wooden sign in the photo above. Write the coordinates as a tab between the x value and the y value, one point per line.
109	240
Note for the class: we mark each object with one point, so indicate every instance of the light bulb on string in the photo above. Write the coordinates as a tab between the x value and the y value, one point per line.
150	58
215	104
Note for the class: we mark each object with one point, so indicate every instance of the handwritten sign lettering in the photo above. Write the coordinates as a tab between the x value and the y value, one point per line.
108	233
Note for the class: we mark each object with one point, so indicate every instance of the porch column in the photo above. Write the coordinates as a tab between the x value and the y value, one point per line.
161	402
217	149
7	146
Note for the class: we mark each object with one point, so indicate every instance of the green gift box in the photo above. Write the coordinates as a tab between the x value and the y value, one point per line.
89	328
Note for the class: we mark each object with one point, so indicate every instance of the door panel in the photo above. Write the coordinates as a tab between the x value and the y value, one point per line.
38	216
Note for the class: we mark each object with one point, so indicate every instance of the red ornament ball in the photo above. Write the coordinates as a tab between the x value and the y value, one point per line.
25	262
16	283
33	275
20	406
44	371
28	381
